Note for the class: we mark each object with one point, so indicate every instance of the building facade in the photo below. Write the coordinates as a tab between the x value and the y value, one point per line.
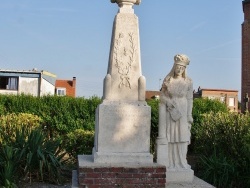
245	69
229	97
152	95
66	87
36	83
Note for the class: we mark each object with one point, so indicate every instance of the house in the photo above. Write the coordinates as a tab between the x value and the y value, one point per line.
32	82
66	87
152	95
229	97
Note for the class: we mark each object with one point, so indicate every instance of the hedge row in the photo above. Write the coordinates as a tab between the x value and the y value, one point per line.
60	115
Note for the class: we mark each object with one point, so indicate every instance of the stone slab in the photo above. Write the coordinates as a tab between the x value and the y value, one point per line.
122	132
87	161
101	157
176	176
196	183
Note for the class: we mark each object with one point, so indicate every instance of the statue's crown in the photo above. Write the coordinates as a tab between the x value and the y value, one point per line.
181	59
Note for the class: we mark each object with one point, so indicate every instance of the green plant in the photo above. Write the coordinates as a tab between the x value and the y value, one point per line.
60	115
154	104
42	157
78	142
9	159
202	106
217	170
11	122
32	156
227	135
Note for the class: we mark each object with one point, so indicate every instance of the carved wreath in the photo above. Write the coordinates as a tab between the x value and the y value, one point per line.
122	63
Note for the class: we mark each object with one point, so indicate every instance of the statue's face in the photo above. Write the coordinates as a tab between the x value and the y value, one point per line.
179	69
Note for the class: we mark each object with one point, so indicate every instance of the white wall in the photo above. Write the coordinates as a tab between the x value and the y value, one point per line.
47	88
28	86
9	92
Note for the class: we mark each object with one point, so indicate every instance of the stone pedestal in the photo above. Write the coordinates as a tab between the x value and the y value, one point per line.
172	175
122	133
162	151
179	175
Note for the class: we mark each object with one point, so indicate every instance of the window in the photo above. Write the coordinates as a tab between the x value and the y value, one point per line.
211	97
231	102
222	99
61	91
10	83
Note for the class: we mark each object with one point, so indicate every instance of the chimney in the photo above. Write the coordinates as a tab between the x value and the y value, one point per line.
74	82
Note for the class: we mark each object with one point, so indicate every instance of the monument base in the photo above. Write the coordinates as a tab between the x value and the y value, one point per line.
92	174
161	151
101	157
174	175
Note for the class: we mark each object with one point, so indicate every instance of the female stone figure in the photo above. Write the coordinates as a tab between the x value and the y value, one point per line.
176	102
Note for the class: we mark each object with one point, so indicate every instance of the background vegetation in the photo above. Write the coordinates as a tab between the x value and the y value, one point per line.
36	135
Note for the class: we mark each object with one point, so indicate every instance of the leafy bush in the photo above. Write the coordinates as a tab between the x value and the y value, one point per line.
226	135
25	150
9	159
202	106
79	142
217	169
154	104
30	156
43	158
60	115
11	122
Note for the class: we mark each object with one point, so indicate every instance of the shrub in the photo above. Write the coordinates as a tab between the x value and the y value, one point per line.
9	159
30	155
227	135
202	106
154	104
217	169
11	122
78	142
60	115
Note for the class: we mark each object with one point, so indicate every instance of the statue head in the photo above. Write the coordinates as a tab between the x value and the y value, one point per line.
181	59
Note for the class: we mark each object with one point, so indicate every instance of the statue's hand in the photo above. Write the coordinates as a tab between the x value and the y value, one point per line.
190	119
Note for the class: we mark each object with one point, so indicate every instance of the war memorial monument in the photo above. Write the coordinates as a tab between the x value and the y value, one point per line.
121	154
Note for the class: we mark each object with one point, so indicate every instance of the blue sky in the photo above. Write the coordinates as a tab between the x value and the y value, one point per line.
72	38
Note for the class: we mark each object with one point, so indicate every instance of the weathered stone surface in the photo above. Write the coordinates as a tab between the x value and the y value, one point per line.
175	119
122	132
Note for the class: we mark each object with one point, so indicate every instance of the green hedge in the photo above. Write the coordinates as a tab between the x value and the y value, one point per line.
223	142
60	115
220	138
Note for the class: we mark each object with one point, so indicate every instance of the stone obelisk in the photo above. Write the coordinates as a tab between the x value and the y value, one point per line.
121	155
122	128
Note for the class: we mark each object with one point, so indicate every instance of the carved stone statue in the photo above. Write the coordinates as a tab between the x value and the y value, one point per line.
137	2
126	5
175	115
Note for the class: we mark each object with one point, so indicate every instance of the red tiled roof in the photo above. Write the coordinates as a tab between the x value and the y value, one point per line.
70	86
